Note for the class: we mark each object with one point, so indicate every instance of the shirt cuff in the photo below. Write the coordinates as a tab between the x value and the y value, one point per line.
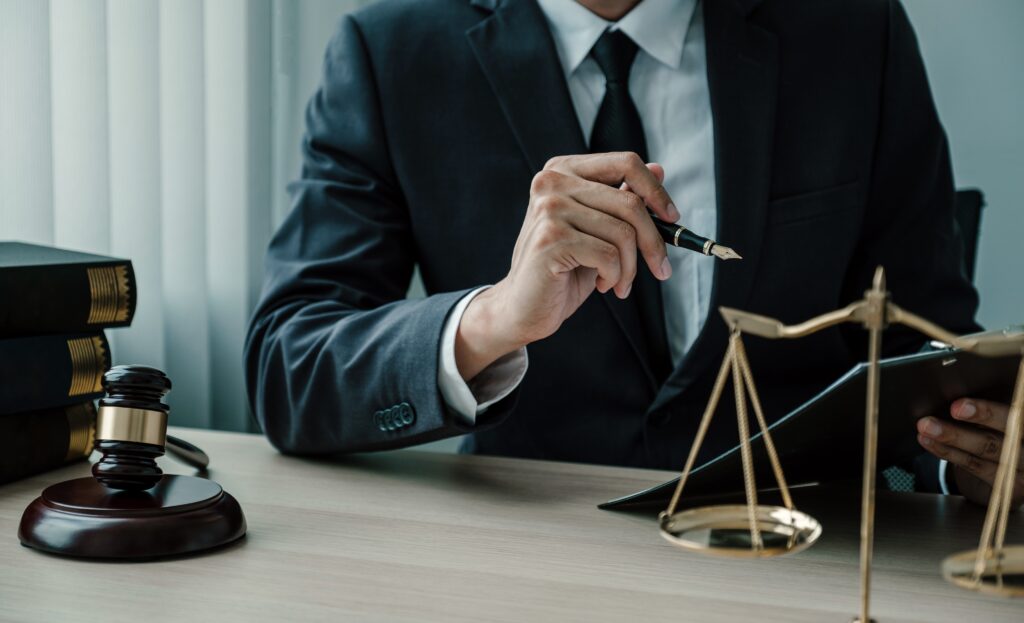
947	487
493	383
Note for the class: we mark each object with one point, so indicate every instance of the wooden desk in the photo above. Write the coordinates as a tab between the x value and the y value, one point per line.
412	536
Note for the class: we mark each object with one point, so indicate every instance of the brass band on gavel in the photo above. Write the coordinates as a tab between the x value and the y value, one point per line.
130	424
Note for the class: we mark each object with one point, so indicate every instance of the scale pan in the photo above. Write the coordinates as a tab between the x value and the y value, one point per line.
725	530
1003	575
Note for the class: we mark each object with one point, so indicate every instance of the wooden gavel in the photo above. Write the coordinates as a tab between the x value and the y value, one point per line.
129	509
131	430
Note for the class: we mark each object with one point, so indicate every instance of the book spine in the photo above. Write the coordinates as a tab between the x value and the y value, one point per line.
51	370
66	298
37	441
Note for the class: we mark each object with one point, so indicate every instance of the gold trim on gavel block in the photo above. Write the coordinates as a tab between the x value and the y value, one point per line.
128	424
88	362
81	430
108	291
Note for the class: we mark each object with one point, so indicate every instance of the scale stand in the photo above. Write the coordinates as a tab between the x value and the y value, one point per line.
740	531
994	568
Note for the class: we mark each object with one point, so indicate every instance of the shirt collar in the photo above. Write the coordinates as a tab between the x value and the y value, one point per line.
658	26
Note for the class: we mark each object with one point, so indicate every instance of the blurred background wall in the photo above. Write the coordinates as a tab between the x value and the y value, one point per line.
163	132
971	50
166	132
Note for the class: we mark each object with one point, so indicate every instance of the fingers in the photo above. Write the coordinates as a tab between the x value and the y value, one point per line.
985	413
580	249
656	169
615	168
975	451
628	208
561	197
981	443
609	229
981	468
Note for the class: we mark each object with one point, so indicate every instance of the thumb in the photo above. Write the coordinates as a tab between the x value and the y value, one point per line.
655	168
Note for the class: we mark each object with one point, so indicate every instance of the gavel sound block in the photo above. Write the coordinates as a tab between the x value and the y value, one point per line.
129	509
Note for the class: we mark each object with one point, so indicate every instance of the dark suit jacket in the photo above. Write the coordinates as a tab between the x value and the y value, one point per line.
430	121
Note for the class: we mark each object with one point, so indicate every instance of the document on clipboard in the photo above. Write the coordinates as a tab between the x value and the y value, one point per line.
823	439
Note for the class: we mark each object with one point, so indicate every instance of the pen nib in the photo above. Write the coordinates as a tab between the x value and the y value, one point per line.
723	252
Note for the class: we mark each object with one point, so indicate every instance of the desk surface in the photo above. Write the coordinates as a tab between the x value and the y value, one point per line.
413	536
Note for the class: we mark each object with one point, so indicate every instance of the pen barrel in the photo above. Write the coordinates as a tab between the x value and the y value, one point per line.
686	239
679	236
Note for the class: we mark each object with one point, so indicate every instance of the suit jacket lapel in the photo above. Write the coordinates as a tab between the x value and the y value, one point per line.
742	70
518	56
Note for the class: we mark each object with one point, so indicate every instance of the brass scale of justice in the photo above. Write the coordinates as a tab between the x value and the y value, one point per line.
992	568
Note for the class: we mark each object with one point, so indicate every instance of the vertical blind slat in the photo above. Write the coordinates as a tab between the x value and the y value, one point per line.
259	129
230	199
81	171
134	88
183	202
26	178
144	129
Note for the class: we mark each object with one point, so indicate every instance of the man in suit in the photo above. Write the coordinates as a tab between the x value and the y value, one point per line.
511	149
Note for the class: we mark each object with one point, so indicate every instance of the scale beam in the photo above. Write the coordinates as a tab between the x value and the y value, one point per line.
992	568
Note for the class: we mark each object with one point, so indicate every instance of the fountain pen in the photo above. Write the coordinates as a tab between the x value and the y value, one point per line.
679	236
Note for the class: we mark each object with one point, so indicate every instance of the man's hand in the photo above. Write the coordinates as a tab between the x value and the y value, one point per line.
586	220
972	450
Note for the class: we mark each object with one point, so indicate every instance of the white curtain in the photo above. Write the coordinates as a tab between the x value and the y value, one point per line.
164	132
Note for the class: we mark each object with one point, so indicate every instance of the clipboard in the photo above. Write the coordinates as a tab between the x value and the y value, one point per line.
823	439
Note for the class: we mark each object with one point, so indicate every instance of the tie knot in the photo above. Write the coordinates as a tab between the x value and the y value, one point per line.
614	53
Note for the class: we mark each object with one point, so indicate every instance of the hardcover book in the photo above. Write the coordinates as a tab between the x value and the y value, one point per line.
50	290
37	441
51	370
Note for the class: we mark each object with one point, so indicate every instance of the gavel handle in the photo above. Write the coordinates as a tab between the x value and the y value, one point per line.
186	452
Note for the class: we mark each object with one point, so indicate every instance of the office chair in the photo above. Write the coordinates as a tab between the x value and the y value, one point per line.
969	203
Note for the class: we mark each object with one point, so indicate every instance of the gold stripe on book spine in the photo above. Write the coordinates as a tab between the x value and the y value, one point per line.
88	361
81	430
108	291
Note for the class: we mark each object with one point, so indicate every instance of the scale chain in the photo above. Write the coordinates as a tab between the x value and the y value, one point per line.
705	422
773	456
1002	488
748	460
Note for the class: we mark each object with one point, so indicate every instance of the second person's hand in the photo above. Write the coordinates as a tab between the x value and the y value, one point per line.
973	448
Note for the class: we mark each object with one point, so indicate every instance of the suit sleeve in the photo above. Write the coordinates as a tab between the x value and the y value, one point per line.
909	227
336	360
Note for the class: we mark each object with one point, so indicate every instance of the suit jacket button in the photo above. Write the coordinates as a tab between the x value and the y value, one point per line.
377	420
407	413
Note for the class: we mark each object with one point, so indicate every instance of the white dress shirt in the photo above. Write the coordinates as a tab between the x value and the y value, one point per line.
668	83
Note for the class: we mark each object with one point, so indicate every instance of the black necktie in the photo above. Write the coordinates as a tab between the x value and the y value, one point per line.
618	128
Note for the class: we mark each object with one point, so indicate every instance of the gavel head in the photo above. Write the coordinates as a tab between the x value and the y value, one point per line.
131	427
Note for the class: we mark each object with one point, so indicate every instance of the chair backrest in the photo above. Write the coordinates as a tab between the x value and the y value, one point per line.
969	203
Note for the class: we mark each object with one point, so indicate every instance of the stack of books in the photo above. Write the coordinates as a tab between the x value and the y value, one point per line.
54	307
